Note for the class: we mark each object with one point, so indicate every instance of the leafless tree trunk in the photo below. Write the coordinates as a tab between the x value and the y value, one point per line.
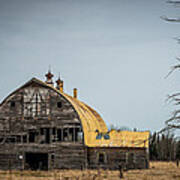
174	121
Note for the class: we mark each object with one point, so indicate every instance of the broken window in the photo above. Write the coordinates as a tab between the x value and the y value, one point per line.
46	133
76	134
12	104
59	135
18	139
42	131
35	102
32	137
54	131
54	135
71	134
52	156
1	139
80	136
101	159
47	136
65	134
24	139
59	104
11	139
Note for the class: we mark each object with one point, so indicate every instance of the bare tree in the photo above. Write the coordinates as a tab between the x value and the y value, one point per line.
174	121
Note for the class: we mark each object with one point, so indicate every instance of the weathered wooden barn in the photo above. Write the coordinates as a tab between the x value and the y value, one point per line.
41	127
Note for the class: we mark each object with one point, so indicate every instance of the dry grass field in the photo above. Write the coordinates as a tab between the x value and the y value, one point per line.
157	170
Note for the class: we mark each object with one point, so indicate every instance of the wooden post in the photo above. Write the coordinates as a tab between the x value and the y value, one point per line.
86	157
10	170
21	139
177	162
120	171
28	138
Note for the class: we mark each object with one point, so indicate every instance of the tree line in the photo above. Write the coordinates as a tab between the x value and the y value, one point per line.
164	147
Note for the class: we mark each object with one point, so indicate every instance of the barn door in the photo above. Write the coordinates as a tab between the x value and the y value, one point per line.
36	161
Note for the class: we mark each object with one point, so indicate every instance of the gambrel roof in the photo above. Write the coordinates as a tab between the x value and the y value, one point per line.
95	130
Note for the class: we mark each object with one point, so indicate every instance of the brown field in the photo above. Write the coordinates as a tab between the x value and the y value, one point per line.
157	170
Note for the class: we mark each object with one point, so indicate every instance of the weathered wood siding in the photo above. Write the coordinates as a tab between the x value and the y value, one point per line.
111	158
37	119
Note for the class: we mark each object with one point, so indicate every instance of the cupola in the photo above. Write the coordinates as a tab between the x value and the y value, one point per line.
49	77
59	84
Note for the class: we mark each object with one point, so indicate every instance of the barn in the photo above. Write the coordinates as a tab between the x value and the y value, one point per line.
42	127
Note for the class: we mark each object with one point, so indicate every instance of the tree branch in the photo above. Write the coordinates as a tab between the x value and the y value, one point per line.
173	68
173	2
170	19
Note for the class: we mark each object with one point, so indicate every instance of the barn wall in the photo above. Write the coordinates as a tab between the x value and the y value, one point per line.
37	106
70	157
60	156
111	158
38	120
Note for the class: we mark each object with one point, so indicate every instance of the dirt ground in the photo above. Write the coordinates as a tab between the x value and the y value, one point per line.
157	170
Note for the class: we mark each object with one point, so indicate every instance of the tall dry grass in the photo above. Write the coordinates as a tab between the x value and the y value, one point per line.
157	171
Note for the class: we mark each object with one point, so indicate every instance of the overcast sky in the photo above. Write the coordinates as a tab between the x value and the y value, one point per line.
115	52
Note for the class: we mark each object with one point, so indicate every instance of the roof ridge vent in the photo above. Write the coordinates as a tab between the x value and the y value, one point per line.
75	93
49	77
60	85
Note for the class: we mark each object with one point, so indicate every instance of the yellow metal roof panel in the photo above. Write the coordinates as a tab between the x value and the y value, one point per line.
92	121
120	139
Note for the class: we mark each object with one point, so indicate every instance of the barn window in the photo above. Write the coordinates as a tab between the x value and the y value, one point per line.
24	139
47	135
71	134
65	134
59	104
12	104
80	136
59	135
18	139
11	139
52	157
32	137
54	131
101	159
